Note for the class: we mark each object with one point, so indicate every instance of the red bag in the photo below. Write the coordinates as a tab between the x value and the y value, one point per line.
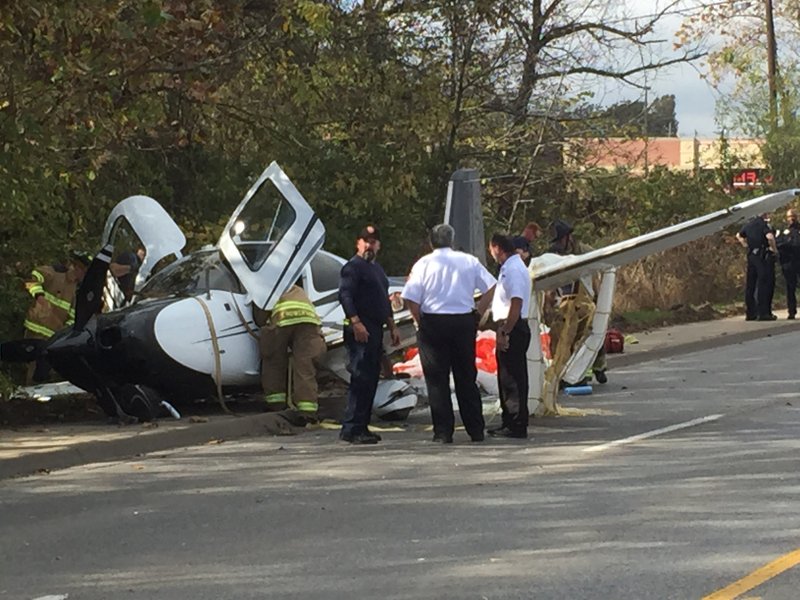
615	341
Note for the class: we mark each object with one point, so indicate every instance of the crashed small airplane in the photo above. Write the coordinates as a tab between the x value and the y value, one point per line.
189	331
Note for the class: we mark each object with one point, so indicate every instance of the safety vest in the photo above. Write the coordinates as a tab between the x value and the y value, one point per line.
58	289
293	308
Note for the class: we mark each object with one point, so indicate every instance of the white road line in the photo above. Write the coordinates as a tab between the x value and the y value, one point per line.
654	433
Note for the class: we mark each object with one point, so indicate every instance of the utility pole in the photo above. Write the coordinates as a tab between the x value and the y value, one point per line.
772	59
646	132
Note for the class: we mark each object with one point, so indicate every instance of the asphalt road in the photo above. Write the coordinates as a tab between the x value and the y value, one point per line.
583	510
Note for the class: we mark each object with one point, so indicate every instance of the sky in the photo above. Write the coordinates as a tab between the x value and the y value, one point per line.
694	97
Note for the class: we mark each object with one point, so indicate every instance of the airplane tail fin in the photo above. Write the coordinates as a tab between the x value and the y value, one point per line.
464	213
89	299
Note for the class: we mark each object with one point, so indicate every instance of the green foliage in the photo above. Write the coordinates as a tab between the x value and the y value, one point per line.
369	107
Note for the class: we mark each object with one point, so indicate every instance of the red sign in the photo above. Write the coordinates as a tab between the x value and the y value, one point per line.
747	178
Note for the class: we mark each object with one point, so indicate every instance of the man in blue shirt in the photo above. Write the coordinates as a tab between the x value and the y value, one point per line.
364	295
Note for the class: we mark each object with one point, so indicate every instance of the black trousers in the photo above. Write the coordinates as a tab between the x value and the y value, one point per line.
512	378
447	343
364	365
790	277
760	284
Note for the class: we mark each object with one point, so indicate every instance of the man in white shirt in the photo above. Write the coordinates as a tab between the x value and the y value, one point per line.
512	297
440	293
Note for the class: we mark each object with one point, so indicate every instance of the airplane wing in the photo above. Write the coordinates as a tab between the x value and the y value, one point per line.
270	237
550	272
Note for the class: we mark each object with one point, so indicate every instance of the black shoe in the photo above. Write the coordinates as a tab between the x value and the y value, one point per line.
477	438
375	435
358	438
440	438
750	318
767	318
509	433
600	376
791	317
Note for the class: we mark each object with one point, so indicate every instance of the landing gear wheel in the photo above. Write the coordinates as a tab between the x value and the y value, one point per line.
131	403
140	402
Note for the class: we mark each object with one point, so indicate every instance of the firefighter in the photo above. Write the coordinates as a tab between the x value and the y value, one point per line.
53	289
563	242
293	325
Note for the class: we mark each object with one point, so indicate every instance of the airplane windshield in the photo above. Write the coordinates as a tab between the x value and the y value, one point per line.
196	273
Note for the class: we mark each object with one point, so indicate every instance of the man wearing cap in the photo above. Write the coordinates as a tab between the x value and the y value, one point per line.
53	289
563	242
364	295
523	248
440	293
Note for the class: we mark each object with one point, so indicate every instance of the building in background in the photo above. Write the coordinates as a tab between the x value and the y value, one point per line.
696	155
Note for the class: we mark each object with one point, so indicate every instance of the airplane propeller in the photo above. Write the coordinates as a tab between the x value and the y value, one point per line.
25	350
89	298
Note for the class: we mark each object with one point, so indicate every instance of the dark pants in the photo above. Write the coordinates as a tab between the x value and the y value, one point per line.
364	365
512	378
447	343
790	277
760	284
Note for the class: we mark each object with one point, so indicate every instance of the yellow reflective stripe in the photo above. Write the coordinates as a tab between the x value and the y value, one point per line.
291	312
37	276
279	398
295	321
56	301
34	289
36	328
307	406
292	304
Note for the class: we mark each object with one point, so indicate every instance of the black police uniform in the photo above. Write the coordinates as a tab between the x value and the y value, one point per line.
788	241
363	292
760	281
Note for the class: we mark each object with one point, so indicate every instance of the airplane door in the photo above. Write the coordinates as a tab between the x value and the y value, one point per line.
152	225
270	237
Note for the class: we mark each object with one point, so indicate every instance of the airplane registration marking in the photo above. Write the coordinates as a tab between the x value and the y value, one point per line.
653	433
757	577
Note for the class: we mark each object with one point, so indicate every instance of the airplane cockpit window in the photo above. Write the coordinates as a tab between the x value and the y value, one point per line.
125	262
262	223
196	273
325	271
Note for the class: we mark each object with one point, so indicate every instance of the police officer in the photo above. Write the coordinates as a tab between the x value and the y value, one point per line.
364	295
440	293
510	305
788	242
759	239
294	326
